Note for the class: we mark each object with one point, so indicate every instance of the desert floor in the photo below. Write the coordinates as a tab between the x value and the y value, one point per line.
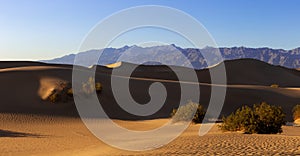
40	135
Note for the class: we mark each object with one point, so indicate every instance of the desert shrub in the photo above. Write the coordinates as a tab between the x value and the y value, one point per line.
274	86
61	93
70	92
243	119
271	118
261	118
53	97
90	86
98	87
186	113
296	112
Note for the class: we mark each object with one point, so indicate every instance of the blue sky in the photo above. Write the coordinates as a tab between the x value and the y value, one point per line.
35	30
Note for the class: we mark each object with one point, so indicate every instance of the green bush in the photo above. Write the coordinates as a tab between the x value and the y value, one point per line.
261	119
186	113
296	112
242	120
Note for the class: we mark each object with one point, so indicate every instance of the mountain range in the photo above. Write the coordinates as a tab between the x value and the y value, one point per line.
170	55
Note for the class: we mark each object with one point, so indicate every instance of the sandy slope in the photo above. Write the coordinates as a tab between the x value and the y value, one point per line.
68	136
30	125
23	88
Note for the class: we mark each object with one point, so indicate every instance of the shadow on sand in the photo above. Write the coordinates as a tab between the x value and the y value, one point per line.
6	133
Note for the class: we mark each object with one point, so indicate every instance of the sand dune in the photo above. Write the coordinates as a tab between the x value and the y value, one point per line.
30	125
24	88
13	64
20	90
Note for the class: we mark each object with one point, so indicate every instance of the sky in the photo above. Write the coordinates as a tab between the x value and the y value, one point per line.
39	30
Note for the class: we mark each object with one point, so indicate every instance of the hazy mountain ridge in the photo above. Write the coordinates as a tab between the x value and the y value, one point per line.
167	54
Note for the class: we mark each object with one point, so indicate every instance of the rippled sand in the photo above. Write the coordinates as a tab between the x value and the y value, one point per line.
36	135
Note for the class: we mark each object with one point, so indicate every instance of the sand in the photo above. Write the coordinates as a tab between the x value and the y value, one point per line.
45	135
30	125
114	65
23	88
297	122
